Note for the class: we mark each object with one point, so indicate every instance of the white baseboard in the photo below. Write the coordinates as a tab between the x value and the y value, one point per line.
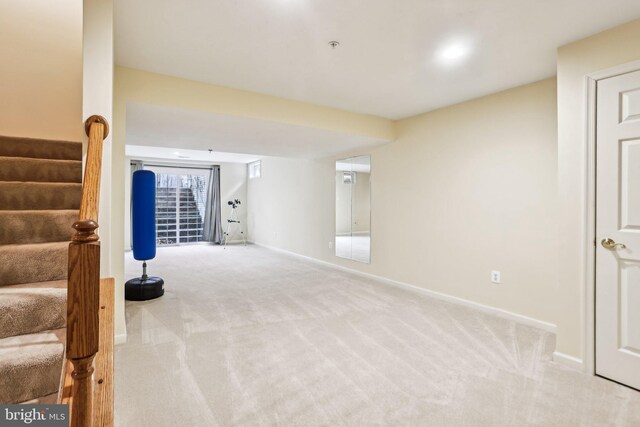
120	339
566	360
519	318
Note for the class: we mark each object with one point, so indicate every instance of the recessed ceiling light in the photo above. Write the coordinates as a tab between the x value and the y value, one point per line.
175	153
453	52
334	44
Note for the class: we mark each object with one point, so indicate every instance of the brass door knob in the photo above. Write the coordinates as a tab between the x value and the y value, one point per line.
611	244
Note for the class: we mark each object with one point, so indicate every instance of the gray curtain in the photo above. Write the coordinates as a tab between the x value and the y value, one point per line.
212	230
136	165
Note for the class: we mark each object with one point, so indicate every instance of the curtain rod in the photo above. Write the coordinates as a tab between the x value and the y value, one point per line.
160	165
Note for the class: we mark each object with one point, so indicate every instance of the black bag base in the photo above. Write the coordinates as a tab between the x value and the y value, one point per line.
143	290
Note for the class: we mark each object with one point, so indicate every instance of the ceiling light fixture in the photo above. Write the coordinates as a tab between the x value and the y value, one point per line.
175	153
334	44
453	52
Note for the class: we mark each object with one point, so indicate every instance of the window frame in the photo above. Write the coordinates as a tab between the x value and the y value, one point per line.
251	171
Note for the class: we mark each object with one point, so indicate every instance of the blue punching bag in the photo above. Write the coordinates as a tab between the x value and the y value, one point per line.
143	215
143	227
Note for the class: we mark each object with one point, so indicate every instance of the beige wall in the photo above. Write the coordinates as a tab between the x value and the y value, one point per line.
477	182
41	69
610	48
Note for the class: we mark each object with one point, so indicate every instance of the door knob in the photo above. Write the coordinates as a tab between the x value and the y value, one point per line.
611	244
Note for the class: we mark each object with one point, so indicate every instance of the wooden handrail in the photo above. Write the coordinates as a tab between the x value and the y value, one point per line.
97	130
83	292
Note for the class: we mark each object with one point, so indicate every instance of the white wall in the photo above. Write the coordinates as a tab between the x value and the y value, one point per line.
463	191
233	185
291	206
97	99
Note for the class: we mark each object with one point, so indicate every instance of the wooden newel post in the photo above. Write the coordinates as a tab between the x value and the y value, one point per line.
83	304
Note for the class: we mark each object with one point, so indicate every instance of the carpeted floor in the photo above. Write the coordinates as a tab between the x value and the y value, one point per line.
247	336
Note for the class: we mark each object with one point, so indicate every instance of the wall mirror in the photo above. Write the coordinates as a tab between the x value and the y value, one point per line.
353	208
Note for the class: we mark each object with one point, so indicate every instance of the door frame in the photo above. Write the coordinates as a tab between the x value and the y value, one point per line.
589	232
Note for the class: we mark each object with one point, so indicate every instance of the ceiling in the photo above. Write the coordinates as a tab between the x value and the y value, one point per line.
183	130
180	155
389	62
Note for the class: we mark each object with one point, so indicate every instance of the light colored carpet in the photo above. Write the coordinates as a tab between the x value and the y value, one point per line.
251	337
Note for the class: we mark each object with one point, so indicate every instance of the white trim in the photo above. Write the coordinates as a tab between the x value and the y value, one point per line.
589	233
546	326
629	67
120	339
569	361
231	242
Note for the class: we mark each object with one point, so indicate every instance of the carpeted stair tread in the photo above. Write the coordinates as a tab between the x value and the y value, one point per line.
40	148
30	310
40	170
36	226
34	262
39	195
30	365
49	399
40	192
58	284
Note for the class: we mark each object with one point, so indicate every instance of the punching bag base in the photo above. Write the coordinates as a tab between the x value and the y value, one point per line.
142	290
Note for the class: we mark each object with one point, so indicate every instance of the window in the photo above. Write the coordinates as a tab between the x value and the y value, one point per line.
255	169
181	195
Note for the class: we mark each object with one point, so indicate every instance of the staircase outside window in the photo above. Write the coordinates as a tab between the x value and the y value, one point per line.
180	205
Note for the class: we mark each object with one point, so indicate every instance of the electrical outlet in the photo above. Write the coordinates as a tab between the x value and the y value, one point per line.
330	245
495	276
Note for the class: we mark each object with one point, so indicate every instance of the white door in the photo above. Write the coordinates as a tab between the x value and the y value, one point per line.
618	229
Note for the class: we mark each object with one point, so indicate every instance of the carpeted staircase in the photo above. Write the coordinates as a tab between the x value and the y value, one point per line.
40	189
